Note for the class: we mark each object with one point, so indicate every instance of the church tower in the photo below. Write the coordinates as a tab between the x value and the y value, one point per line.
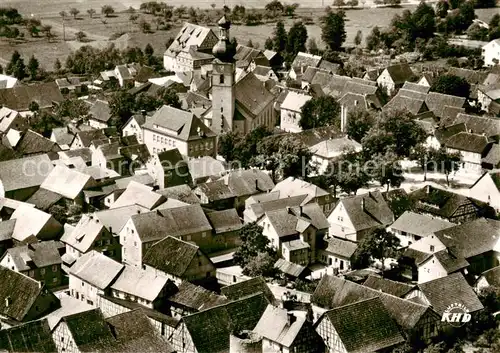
223	77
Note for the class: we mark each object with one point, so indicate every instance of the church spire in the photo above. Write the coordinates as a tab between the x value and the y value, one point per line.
224	50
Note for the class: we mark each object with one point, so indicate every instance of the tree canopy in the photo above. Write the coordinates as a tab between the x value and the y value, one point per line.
451	84
333	29
320	111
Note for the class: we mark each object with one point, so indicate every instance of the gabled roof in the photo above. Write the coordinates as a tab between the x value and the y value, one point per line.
340	247
471	76
86	137
449	261
180	192
251	95
400	73
196	297
368	210
415	87
334	147
461	243
452	289
188	219
306	60
20	291
333	292
36	255
444	133
204	167
295	220
171	256
100	111
492	276
180	124
495	177
190	34
365	326
436	102
30	222
139	282
224	221
248	182
32	337
290	268
249	287
34	143
7	229
398	289
219	322
216	190
263	206
294	186
464	141
476	124
139	194
294	101
419	224
20	97
84	234
69	183
96	269
44	199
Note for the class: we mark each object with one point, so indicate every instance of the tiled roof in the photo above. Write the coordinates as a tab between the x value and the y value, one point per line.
190	34
143	283
415	87
180	192
246	288
340	247
36	255
248	182
444	133
195	297
224	221
261	207
96	269
171	256
418	224
450	262
32	337
306	60
294	220
69	183
476	124
86	137
31	221
7	229
401	102
492	276
219	322
333	292
436	102
20	97
188	219
388	286
295	101
34	143
464	141
365	326
376	211
289	268
493	157
400	73
139	194
452	289
334	147
84	234
471	76
100	111
251	95
43	199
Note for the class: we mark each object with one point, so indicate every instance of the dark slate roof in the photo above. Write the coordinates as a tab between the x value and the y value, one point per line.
333	292
248	182
20	97
225	221
450	262
22	291
493	158
400	73
388	286
376	211
444	133
90	135
195	297
290	268
34	143
36	255
452	289
442	203
137	152
471	76
43	199
216	190
464	141
417	256
171	256
365	326
492	276
134	332
249	287
340	247
210	329
7	229
32	337
310	73
476	124
471	238
180	192
448	113
100	111
436	102
251	95
90	331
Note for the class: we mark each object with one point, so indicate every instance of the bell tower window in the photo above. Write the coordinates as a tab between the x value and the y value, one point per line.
221	79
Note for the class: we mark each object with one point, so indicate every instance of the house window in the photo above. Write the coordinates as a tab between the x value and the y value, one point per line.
54	268
204	234
221	79
42	271
432	248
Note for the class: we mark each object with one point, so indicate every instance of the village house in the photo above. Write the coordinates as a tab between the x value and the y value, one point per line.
248	58
11	119
32	223
327	151
488	278
225	321
265	73
226	225
411	227
337	253
188	298
84	138
91	275
287	332
99	114
31	143
168	168
363	326
354	217
171	128
20	97
301	62
40	261
487	189
134	126
136	193
182	193
124	74
398	289
180	261
258	205
203	168
472	148
36	301
291	111
394	76
33	336
7	81
491	53
21	178
248	287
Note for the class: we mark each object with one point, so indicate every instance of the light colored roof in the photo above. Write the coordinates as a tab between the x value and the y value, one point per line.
143	283
274	326
419	224
114	219
30	221
294	187
190	34
67	182
84	234
294	101
96	269
139	194
24	172
69	306
334	147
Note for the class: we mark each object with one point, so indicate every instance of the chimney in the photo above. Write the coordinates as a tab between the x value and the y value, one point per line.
290	319
257	184
428	189
8	302
363	204
111	230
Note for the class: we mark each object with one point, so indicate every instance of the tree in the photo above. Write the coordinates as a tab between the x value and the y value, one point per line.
147	103
280	38
387	170
423	21
483	4
405	132
495	21
452	85
74	12
253	242
169	97
359	122
227	145
346	172
320	111
144	25
447	162
289	10
333	30
149	50
107	10
133	17
249	43
33	66
80	36
72	109
34	107
47	29
297	39
477	32
16	66
359	38
379	245
442	8
268	44
91	12
63	14
423	155
121	106
261	265
338	3
312	46
374	39
353	3
1	69
275	8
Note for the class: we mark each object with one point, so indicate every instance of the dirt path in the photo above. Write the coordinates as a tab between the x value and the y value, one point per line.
70	31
